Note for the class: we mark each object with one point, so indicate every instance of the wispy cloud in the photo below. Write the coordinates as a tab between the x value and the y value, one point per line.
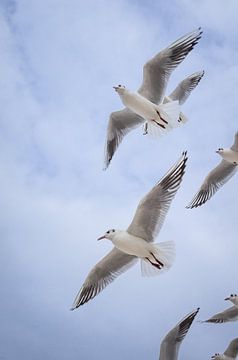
59	61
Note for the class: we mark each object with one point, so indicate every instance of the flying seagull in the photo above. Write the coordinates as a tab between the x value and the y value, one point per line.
137	241
230	314
170	345
156	73
164	116
230	353
218	176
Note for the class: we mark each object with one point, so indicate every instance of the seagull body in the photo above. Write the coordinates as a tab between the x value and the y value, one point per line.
229	155
156	74
230	314
160	256
230	353
137	241
170	345
165	116
218	176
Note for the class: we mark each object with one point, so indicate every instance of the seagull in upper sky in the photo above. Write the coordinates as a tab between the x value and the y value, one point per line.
170	345
219	175
137	241
230	314
156	73
230	353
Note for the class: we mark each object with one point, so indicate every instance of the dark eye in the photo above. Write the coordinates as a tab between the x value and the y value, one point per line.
108	232
113	230
119	85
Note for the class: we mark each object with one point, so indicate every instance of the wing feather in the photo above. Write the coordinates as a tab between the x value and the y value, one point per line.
184	88
230	314
171	343
157	71
215	179
235	145
152	209
232	349
104	272
121	123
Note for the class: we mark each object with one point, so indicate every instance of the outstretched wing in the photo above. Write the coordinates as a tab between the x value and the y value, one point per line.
152	209
235	145
215	179
157	71
170	345
103	273
184	88
121	123
232	350
230	314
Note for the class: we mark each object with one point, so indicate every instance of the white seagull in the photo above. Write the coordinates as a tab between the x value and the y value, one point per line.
137	241
165	116
230	353
230	314
156	73
170	345
218	176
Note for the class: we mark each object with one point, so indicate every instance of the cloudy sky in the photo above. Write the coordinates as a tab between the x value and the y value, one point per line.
59	60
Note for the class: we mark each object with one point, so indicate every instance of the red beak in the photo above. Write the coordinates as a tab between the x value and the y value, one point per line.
101	237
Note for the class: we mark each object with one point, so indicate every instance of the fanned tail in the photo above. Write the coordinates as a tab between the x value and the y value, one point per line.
164	253
168	118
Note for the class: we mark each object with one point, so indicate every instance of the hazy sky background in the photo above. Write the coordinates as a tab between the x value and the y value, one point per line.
58	63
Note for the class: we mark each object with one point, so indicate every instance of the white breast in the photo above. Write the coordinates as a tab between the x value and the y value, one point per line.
139	105
131	244
230	155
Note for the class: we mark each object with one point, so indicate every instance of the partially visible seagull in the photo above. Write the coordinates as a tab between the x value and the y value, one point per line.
230	314
170	345
156	73
230	353
137	241
218	176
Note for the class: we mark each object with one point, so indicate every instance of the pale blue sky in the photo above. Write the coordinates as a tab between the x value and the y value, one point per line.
59	61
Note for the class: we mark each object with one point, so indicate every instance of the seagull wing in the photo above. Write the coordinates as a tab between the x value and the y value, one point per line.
104	272
184	88
157	71
215	179
171	343
229	314
232	350
235	145
152	209
121	122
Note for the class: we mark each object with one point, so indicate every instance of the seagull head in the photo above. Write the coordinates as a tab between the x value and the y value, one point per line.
220	151
109	234
120	89
233	298
216	356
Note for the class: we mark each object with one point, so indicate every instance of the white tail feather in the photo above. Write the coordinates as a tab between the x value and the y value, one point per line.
170	113
165	253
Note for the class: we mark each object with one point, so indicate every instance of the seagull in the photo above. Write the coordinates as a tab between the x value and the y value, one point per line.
137	241
166	116
230	314
218	176
230	353
156	73
170	345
